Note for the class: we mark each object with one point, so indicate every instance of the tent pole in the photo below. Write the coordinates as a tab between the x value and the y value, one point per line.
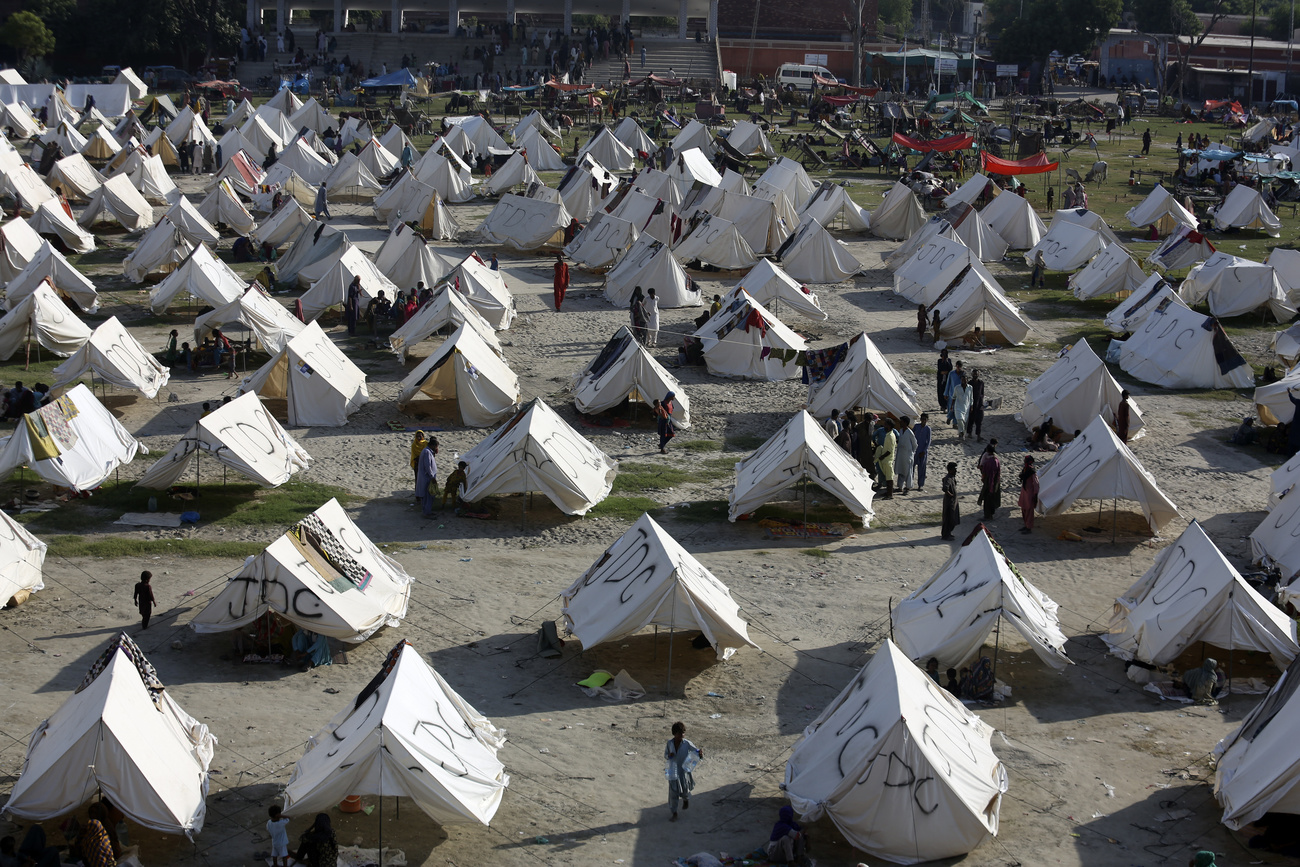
1227	687
1114	517
524	497
997	648
381	794
27	360
672	629
805	504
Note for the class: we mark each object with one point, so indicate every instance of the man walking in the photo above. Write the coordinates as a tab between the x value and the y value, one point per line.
561	281
322	203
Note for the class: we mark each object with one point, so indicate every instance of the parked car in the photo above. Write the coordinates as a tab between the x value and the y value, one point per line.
169	77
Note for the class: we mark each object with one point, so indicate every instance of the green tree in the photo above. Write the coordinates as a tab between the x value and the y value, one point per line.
1166	16
28	35
896	14
1044	26
1279	22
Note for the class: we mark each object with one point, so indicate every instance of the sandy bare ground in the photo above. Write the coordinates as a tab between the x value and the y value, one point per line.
1093	761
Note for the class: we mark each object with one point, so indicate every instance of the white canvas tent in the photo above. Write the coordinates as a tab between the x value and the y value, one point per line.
769	285
536	450
715	241
517	171
350	181
744	340
151	179
316	247
629	132
186	218
162	250
202	276
49	268
607	150
115	357
689	168
302	578
75	178
541	155
1074	390
624	370
1162	210
384	744
118	200
1231	286
584	187
1256	770
693	135
241	435
1110	272
811	255
222	207
747	138
800	450
468	371
1182	249
127	76
1275	541
893	720
101	446
41	317
933	267
1191	594
1129	314
649	262
1175	347
22	559
19	243
1244	208
863	378
533	120
270	323
332	288
408	260
788	176
486	291
1067	246
321	385
950	616
51	220
121	734
282	226
969	193
447	307
1286	345
305	162
1015	220
1097	466
602	241
646	578
973	300
444	176
899	215
525	224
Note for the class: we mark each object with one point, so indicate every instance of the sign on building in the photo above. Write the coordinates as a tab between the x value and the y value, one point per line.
814	59
945	64
1008	70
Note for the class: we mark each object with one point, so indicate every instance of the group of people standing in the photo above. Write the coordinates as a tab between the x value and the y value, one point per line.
895	453
961	396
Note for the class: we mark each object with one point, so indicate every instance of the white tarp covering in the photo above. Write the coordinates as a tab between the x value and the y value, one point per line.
447	307
769	285
1067	246
715	241
486	291
602	241
51	220
800	450
122	735
1244	208
1175	347
1192	593
118	200
22	559
744	340
43	317
893	723
1110	272
1231	286
1257	769
1182	249
241	435
647	578
407	734
1015	220
332	288
271	324
813	256
649	262
19	243
1163	210
1076	389
1097	466
899	215
1130	313
468	371
102	446
525	224
950	616
624	370
866	379
116	357
203	276
320	383
49	268
538	451
302	578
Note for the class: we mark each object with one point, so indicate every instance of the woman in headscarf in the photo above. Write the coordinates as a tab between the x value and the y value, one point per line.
1202	683
417	445
960	404
951	513
637	314
317	847
1028	494
426	477
990	467
95	843
664	421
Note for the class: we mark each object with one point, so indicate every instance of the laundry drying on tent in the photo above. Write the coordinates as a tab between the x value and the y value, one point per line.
744	340
856	374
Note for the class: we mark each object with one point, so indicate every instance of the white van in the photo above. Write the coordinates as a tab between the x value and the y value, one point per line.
800	75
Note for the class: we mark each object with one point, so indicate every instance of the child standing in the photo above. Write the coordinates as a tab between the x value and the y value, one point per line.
278	828
142	596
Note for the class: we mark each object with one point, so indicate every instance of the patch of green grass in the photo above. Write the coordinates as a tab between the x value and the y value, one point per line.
702	512
832	512
634	477
694	446
816	552
232	505
79	546
626	508
745	442
1218	394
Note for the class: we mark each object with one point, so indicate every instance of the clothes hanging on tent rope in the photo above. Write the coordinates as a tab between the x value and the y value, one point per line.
819	364
43	446
56	417
311	530
148	674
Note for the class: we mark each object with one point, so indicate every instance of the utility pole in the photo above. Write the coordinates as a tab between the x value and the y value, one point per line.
1286	85
1250	69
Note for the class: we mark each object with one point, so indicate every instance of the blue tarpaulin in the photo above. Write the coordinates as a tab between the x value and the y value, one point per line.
1214	154
401	78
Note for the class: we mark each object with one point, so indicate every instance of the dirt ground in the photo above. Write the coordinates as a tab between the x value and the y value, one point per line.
1101	773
